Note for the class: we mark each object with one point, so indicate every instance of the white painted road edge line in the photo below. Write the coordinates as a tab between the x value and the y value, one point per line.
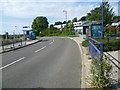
12	63
40	49
78	45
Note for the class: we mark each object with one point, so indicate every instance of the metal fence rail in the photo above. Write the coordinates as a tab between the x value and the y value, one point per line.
5	45
94	51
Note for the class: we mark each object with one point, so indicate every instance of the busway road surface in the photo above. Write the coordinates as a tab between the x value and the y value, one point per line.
52	63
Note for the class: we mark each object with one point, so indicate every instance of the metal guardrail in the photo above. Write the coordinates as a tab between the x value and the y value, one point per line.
94	51
12	44
107	55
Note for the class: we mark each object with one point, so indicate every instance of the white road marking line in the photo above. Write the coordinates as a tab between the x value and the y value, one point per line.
40	49
50	43
79	47
12	63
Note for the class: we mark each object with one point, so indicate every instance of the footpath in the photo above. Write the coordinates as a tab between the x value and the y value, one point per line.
86	64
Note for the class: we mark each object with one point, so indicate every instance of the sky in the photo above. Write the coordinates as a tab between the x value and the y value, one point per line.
14	14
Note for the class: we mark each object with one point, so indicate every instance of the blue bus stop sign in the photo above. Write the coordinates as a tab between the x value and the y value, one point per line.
96	30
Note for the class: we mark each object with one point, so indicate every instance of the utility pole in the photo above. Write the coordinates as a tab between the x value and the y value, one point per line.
65	17
102	32
14	31
119	8
6	35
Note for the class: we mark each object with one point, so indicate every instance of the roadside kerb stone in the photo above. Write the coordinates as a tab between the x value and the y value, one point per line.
85	63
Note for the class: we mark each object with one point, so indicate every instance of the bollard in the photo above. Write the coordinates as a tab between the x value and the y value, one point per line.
13	43
2	45
21	41
25	41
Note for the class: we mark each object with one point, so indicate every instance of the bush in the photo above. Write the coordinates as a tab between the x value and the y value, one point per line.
101	72
109	30
85	43
113	45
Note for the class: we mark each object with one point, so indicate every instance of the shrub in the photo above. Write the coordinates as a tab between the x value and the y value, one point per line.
101	72
85	43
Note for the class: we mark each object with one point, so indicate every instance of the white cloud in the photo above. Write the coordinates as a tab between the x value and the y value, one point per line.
49	8
57	0
33	8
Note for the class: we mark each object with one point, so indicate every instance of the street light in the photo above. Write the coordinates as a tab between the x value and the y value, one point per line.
14	31
65	15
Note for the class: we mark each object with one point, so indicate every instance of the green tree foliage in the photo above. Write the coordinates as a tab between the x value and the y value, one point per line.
74	19
58	23
83	18
116	18
96	14
64	22
109	30
39	24
69	21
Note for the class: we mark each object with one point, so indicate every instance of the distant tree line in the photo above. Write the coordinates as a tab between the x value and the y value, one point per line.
40	24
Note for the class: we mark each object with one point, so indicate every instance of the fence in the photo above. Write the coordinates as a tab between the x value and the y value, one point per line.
95	49
12	43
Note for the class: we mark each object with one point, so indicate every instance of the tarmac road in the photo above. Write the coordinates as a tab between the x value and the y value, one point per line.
51	63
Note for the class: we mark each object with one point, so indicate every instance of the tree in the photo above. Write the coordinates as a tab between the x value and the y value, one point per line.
58	23
74	19
96	14
69	21
64	22
83	18
116	18
39	24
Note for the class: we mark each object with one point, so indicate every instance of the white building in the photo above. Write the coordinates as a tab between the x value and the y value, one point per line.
116	24
60	27
78	26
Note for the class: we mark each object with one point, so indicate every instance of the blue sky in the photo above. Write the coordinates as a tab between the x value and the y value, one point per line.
22	12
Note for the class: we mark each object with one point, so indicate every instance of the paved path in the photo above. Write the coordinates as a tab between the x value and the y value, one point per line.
52	63
16	45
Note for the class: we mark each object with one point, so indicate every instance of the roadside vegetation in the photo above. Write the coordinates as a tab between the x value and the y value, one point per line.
108	45
40	27
101	73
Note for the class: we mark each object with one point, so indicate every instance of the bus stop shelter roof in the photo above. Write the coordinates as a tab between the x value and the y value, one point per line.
89	23
27	30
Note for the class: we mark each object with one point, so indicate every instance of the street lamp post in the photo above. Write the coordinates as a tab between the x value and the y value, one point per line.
65	17
14	32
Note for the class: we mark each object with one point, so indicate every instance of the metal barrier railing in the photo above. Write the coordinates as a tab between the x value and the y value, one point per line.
94	50
12	44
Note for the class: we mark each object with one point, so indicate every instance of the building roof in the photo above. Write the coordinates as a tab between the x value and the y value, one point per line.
116	24
88	23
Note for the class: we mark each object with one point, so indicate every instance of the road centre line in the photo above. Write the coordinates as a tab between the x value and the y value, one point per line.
53	40
12	63
50	43
40	49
